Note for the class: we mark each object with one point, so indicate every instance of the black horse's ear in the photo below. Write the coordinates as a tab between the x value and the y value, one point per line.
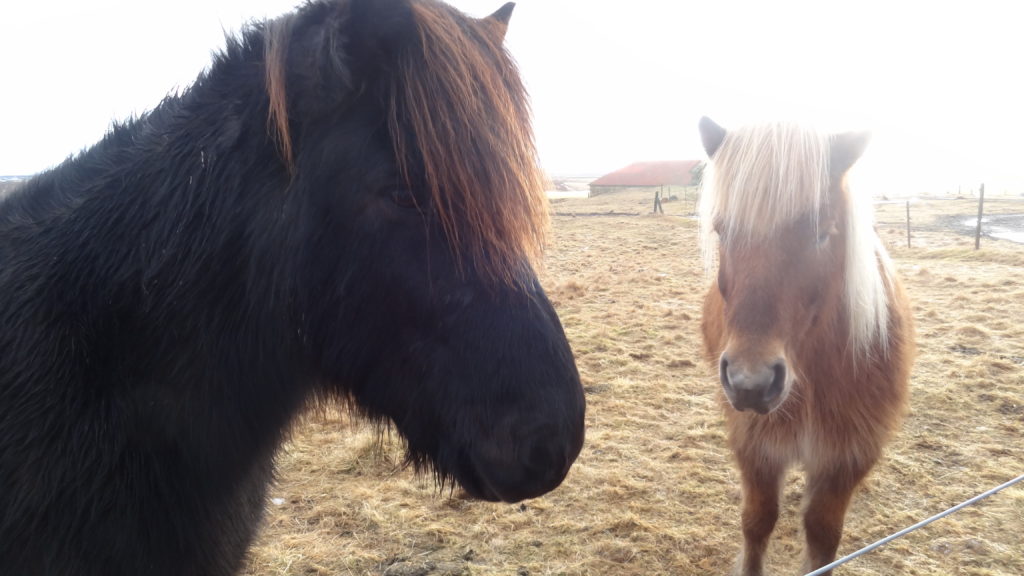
379	28
502	16
711	135
845	149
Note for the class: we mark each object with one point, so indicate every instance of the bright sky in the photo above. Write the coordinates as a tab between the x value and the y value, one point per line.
940	84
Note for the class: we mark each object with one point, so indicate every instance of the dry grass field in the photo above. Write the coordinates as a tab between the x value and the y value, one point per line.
654	490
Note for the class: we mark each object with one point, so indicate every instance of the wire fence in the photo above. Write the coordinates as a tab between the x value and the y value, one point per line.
909	529
920	222
950	222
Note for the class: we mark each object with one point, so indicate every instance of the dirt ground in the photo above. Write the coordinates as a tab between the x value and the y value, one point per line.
654	490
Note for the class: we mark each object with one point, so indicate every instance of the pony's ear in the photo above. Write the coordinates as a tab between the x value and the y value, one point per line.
845	149
379	28
501	17
711	135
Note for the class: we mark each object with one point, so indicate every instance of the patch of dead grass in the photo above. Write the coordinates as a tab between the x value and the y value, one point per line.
655	491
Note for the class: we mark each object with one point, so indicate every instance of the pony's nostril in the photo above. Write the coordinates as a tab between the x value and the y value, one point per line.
723	372
778	381
758	387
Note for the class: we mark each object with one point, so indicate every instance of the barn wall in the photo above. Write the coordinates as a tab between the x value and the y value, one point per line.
669	189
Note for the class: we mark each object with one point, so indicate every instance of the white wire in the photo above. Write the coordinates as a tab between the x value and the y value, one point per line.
910	529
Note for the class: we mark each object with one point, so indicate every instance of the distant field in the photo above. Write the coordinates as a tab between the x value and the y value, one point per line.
8	185
654	491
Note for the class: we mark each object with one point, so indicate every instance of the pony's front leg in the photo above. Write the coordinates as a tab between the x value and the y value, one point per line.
828	496
761	482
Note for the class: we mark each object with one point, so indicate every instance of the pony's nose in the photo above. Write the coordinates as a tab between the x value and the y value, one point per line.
757	388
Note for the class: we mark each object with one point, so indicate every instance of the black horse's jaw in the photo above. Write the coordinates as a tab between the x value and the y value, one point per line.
514	471
529	479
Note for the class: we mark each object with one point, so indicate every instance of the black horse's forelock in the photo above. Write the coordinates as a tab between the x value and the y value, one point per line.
460	124
458	106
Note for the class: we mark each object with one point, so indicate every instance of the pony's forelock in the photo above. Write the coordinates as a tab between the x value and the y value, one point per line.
762	176
768	175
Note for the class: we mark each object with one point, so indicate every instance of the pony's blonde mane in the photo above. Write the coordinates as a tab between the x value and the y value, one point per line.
765	176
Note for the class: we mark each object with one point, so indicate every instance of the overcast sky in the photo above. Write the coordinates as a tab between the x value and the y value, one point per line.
940	84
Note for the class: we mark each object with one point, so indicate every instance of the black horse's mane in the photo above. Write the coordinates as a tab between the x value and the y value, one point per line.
180	120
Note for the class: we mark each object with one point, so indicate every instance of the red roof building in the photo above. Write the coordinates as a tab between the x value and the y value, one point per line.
677	173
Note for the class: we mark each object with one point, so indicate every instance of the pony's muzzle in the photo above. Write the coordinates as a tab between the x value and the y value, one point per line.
758	387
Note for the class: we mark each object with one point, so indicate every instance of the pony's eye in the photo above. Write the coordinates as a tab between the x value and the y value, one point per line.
716	225
404	198
825	232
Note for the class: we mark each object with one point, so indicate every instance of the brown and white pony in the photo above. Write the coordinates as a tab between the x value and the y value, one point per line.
806	320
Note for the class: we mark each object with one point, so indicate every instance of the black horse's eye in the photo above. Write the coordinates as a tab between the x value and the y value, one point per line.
405	198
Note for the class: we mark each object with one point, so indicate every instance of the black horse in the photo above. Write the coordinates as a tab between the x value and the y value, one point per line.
345	206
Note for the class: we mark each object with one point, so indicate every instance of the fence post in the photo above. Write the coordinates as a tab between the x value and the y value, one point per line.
981	204
657	201
908	223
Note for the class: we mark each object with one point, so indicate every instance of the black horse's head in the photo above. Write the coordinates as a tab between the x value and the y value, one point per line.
419	215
